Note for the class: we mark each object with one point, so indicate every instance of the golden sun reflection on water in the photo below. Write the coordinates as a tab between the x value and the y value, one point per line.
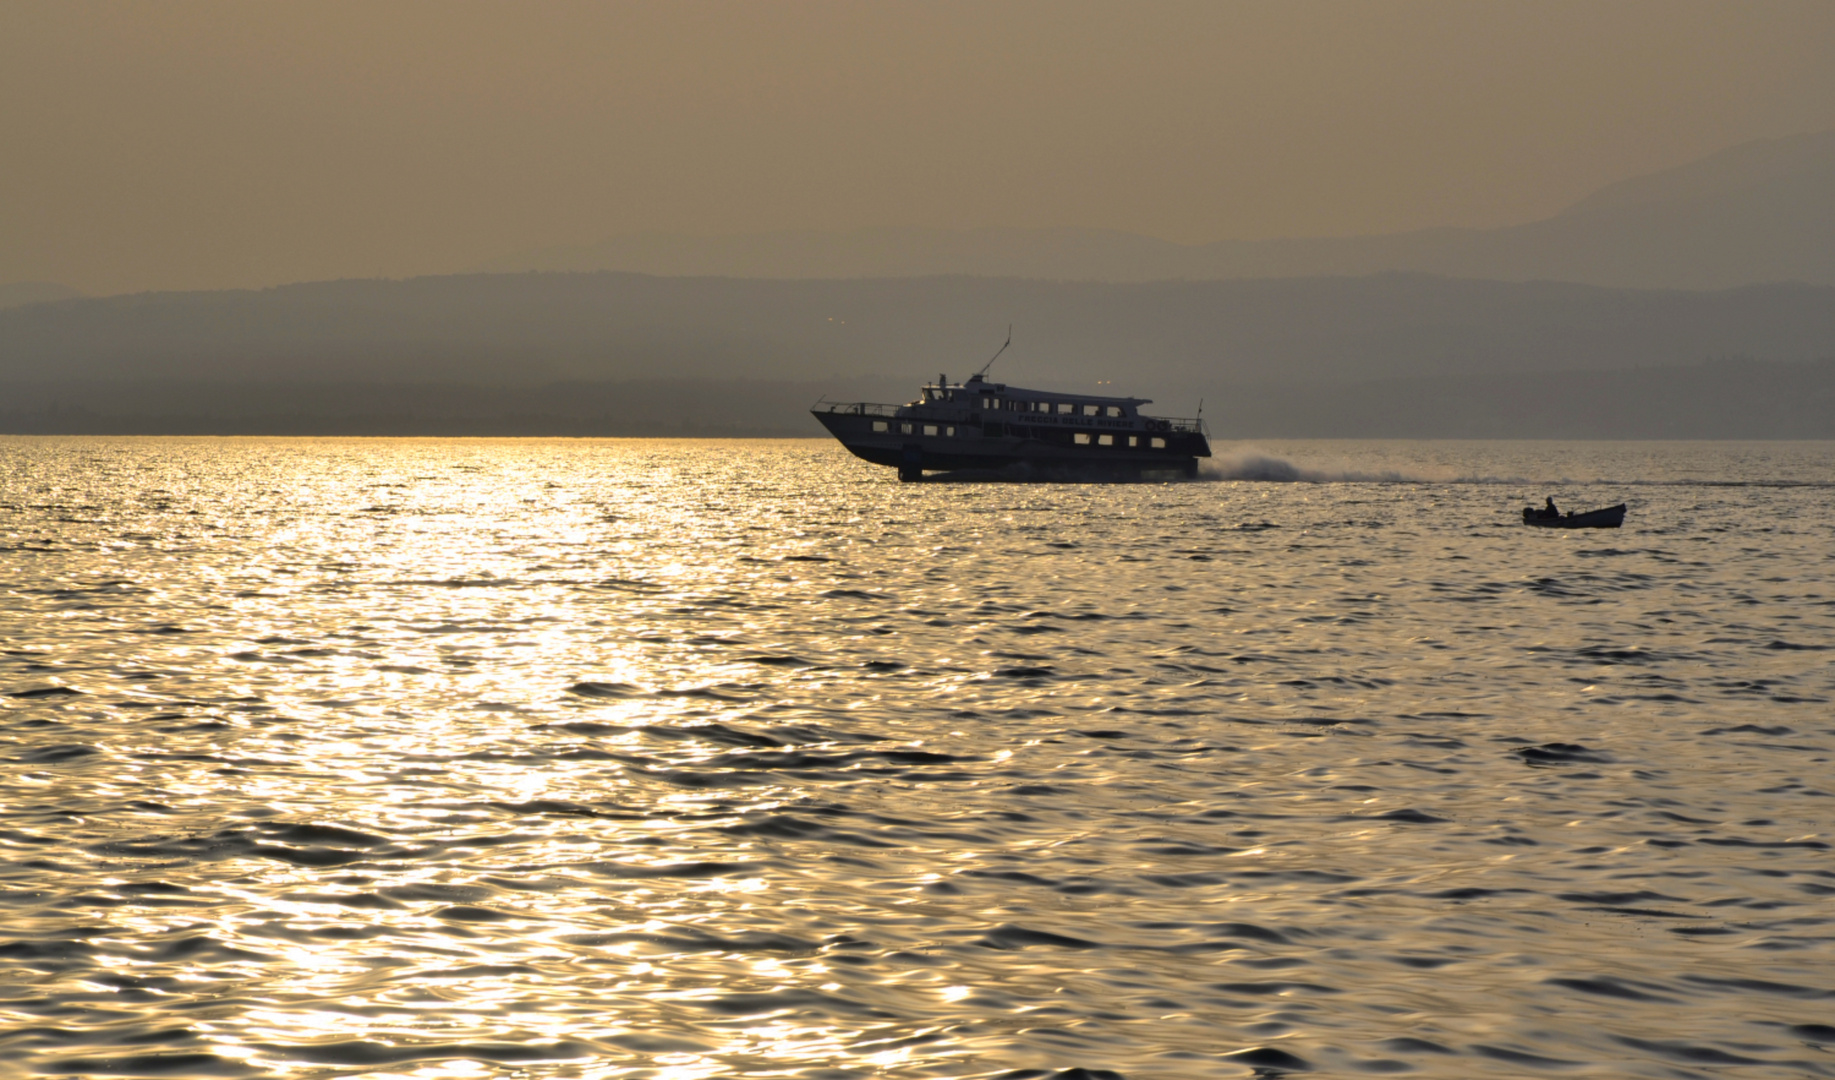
683	760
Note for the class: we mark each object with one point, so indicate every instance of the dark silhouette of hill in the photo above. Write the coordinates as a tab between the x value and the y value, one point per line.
1759	212
530	329
1732	399
648	408
628	354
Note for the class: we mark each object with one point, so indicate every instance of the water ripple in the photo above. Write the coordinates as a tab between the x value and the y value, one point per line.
683	759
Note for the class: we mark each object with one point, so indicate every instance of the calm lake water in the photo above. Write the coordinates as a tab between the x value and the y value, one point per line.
694	759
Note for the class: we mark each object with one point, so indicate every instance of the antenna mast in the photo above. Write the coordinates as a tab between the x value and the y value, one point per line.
996	356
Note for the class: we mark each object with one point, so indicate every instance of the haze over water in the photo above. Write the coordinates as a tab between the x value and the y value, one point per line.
695	759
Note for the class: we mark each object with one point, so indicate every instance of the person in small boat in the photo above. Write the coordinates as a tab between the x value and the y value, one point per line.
1549	511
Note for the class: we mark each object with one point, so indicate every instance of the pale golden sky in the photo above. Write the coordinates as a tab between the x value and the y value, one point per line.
174	144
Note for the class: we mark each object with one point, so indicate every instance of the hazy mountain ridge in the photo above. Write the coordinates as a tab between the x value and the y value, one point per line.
1725	399
1759	212
1744	168
625	354
20	293
649	408
1738	399
526	329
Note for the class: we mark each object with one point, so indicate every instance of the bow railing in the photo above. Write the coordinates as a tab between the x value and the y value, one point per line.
1181	425
856	408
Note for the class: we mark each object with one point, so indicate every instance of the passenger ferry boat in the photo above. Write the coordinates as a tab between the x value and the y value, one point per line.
989	430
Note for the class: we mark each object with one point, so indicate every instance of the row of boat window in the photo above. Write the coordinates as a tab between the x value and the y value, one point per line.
1081	438
909	429
1061	408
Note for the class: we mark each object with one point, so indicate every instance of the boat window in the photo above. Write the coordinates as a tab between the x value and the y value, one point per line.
1082	438
1065	408
879	425
930	429
1114	410
1159	443
950	431
1105	440
1092	410
904	429
1134	440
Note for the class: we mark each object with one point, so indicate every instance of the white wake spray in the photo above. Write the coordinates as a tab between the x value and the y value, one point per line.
1255	466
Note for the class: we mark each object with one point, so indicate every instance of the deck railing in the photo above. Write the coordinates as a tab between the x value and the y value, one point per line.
858	408
1184	426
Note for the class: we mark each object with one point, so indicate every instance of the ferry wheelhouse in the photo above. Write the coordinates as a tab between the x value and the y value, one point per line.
1006	432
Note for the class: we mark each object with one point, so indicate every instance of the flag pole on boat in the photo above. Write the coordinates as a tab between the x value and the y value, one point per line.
996	356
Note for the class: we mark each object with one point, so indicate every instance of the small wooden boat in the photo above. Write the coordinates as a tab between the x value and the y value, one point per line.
1610	517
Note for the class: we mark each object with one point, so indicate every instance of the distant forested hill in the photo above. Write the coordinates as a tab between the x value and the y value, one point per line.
521	329
444	352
